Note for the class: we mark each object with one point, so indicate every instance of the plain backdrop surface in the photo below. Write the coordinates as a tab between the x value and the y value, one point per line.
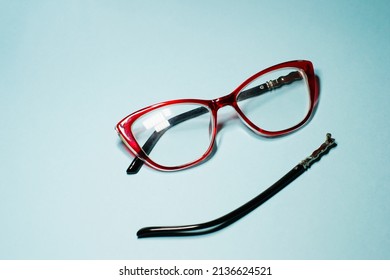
70	70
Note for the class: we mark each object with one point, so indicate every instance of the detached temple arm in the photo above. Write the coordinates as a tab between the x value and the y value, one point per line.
137	163
224	221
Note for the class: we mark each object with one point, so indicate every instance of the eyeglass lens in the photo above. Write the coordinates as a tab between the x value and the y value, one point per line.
283	102
183	132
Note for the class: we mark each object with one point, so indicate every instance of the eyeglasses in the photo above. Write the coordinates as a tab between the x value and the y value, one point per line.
179	134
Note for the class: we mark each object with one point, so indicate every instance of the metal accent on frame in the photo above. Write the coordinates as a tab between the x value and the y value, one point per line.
317	154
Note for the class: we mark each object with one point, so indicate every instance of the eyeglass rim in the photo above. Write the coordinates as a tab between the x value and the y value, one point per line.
308	69
123	128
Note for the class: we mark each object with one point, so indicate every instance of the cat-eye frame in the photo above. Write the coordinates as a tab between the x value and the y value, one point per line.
179	134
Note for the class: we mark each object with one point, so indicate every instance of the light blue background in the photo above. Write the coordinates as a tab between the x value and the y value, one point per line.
70	70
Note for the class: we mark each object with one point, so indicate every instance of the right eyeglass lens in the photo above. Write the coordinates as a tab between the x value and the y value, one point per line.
277	100
174	135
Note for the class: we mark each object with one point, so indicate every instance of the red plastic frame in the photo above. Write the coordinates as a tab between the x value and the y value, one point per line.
124	126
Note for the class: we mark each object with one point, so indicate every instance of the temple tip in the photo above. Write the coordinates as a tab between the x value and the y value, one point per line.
134	166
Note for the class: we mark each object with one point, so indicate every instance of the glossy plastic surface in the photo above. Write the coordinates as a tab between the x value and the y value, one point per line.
228	219
125	130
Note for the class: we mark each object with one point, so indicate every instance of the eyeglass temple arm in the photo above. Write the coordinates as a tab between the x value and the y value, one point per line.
270	85
228	219
137	163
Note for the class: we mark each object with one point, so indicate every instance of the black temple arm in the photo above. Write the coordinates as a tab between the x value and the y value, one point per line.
137	163
270	85
228	219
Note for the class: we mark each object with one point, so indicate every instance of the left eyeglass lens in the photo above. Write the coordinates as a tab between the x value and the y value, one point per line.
175	135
